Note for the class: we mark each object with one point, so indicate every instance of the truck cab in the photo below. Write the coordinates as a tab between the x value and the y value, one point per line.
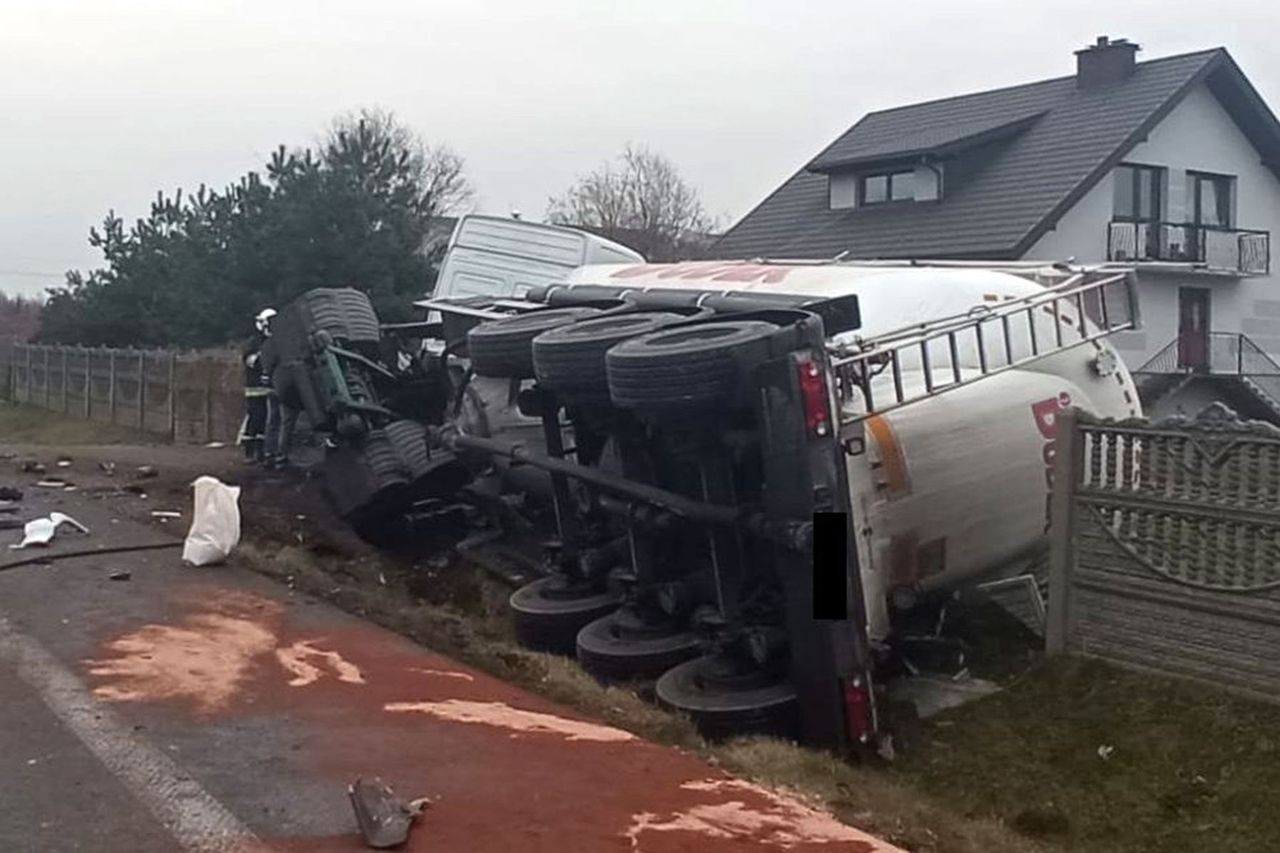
502	258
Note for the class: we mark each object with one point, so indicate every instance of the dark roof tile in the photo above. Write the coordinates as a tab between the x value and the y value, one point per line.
1069	135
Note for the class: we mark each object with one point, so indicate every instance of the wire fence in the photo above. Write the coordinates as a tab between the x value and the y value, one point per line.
187	396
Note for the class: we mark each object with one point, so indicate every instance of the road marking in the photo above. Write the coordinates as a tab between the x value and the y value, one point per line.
196	820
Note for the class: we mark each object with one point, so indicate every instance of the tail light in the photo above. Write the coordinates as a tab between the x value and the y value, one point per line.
813	394
859	715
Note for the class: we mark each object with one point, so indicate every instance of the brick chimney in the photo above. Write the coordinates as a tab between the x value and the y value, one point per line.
1105	62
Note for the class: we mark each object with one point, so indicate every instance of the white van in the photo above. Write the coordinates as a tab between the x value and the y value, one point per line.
503	258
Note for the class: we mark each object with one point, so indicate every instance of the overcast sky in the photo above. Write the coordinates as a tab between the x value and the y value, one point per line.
104	103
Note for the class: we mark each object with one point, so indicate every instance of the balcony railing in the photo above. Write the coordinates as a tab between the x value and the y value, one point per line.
1218	354
1236	250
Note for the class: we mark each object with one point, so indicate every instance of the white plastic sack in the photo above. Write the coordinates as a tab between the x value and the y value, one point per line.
215	524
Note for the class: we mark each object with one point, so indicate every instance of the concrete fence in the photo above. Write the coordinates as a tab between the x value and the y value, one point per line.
188	397
1165	548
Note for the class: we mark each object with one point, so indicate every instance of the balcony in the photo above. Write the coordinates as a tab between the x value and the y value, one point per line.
1214	354
1229	251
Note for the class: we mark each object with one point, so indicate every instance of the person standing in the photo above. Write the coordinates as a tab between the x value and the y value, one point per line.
283	405
259	399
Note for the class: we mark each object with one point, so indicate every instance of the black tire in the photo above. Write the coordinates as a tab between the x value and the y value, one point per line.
726	699
343	312
344	315
409	438
504	348
570	359
550	612
689	366
624	646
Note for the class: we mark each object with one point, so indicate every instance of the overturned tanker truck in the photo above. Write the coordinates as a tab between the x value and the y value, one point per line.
757	470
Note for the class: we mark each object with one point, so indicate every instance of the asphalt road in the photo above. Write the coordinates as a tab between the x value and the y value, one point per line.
210	709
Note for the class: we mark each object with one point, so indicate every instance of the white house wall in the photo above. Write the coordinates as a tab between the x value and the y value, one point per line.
1197	135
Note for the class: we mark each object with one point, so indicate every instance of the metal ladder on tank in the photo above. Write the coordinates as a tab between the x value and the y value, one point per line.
1085	307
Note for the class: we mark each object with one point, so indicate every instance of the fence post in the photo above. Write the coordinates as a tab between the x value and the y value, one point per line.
88	382
66	406
28	399
1068	457
173	396
142	389
48	392
208	399
111	384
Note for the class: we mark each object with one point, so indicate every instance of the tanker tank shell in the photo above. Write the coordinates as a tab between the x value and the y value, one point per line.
956	486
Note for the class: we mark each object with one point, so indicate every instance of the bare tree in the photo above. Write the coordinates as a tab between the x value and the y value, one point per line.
435	171
640	200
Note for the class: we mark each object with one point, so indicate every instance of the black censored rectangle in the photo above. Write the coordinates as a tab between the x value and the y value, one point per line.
830	562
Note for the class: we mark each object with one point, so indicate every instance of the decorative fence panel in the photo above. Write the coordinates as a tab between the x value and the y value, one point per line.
1166	547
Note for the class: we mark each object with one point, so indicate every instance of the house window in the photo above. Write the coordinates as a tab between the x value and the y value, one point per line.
888	186
1139	193
1211	199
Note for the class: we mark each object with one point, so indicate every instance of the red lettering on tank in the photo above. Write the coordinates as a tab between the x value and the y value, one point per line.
710	271
1045	415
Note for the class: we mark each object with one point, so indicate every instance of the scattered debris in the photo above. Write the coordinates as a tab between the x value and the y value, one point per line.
53	483
9	493
1105	751
216	445
32	466
120	576
8	454
40	531
135	489
109	468
64	462
384	819
215	525
165	514
146	472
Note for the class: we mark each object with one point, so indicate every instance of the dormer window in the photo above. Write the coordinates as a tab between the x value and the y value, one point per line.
886	187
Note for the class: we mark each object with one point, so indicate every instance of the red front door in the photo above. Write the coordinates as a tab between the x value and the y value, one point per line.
1193	328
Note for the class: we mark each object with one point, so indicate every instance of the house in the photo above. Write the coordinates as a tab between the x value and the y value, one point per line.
1170	164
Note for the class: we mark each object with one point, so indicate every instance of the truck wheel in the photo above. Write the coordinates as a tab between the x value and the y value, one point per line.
570	359
550	612
625	646
503	348
687	366
726	698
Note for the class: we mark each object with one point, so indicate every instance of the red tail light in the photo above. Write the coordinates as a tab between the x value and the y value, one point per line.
859	718
813	393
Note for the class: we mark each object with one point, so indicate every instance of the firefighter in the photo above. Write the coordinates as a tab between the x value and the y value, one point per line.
259	397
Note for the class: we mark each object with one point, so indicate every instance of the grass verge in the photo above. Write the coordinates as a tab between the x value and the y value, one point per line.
20	424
